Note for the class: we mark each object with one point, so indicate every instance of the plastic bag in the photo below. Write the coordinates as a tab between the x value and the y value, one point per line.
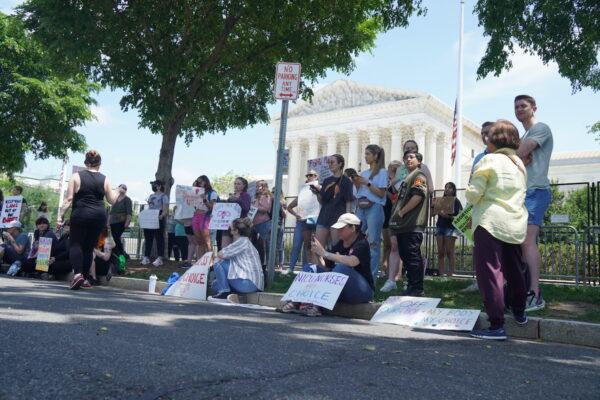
172	279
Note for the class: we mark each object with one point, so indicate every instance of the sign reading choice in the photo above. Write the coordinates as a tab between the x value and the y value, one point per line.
287	80
193	284
321	289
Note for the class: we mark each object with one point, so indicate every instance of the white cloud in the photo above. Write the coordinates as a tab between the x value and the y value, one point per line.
7	6
103	116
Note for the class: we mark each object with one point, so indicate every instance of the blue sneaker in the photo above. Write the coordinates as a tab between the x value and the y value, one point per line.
521	319
490	334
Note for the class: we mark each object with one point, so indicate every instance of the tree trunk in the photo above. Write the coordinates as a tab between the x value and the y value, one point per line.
167	153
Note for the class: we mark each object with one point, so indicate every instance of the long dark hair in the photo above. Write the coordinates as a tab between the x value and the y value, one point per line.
453	186
378	152
244	182
208	189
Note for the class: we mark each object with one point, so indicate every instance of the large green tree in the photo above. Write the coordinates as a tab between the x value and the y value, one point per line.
192	67
39	109
563	31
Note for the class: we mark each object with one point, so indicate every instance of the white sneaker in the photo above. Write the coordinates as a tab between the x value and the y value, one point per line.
145	261
388	286
471	288
158	262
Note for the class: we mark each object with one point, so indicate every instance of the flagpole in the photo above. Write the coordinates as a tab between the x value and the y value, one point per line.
61	186
459	102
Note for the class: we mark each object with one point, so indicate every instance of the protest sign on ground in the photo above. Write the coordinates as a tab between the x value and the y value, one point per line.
320	165
404	310
463	220
148	219
188	199
11	210
223	215
43	254
321	289
447	319
193	284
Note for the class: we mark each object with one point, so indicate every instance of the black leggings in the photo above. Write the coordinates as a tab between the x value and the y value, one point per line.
84	237
117	230
155	234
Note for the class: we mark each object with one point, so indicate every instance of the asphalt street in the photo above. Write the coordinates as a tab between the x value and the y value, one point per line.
106	343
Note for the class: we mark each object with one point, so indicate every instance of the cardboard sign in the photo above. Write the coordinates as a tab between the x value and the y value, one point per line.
447	319
287	80
252	212
193	284
321	289
148	219
11	210
188	200
320	165
463	221
443	205
43	254
404	310
223	215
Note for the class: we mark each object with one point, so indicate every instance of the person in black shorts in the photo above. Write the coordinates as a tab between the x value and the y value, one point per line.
336	198
85	194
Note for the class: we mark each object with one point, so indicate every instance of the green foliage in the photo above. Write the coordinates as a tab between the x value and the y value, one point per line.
573	203
224	184
196	67
595	130
38	110
561	31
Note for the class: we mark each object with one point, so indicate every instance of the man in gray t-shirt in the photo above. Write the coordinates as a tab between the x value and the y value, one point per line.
535	150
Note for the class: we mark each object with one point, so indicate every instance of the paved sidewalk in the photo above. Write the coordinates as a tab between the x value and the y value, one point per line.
113	344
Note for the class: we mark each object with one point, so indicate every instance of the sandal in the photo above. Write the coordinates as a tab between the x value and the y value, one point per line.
310	310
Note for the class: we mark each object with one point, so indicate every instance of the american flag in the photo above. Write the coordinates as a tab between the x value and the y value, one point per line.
454	133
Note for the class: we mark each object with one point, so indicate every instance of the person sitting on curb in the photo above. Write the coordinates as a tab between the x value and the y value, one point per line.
239	269
103	262
42	231
15	248
351	256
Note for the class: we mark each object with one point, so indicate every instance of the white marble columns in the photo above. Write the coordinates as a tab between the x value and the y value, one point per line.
294	170
353	149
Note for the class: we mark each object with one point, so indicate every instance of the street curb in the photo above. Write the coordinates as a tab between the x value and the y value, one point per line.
547	330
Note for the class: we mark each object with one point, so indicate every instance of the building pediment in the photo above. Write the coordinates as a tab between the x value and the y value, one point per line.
344	94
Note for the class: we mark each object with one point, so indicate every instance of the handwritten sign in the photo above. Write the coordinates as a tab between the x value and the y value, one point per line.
11	210
193	284
252	212
43	254
463	221
447	319
320	165
148	219
443	205
321	289
223	215
404	310
188	200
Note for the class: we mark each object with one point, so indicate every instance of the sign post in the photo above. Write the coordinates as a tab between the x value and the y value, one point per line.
287	81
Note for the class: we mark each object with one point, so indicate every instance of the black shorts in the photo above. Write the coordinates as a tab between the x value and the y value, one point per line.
188	230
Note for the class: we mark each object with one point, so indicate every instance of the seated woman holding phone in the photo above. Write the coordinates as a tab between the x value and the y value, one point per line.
351	256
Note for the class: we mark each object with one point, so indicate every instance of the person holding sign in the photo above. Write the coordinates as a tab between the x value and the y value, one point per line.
335	195
201	218
371	198
497	193
15	248
240	196
158	200
86	192
238	269
408	222
446	234
42	231
351	256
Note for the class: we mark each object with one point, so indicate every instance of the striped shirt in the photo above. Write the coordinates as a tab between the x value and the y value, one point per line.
244	262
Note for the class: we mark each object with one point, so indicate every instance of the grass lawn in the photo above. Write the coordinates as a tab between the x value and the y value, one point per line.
562	301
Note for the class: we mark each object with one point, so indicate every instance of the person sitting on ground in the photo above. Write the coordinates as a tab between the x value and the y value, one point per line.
59	264
239	269
15	248
103	262
350	256
497	192
42	231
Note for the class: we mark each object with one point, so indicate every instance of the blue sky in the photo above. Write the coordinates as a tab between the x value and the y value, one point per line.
421	57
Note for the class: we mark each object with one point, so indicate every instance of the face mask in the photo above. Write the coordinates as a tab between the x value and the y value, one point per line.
155	188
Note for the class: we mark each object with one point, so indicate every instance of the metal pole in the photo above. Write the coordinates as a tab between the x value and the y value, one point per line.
459	103
277	197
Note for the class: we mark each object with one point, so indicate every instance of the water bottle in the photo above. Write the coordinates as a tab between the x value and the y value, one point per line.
152	284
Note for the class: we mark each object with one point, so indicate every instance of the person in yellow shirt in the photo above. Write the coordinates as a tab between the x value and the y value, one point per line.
497	192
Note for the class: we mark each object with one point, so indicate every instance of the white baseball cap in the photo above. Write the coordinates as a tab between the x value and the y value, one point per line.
346	219
13	224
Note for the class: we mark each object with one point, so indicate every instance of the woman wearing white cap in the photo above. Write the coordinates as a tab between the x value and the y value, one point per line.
351	256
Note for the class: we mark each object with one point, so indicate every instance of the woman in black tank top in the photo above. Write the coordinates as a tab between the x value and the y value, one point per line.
86	193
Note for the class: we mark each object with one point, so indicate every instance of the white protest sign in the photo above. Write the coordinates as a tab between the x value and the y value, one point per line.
193	284
287	80
252	189
223	215
188	200
404	310
320	165
252	212
43	254
148	219
447	319
321	289
11	210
